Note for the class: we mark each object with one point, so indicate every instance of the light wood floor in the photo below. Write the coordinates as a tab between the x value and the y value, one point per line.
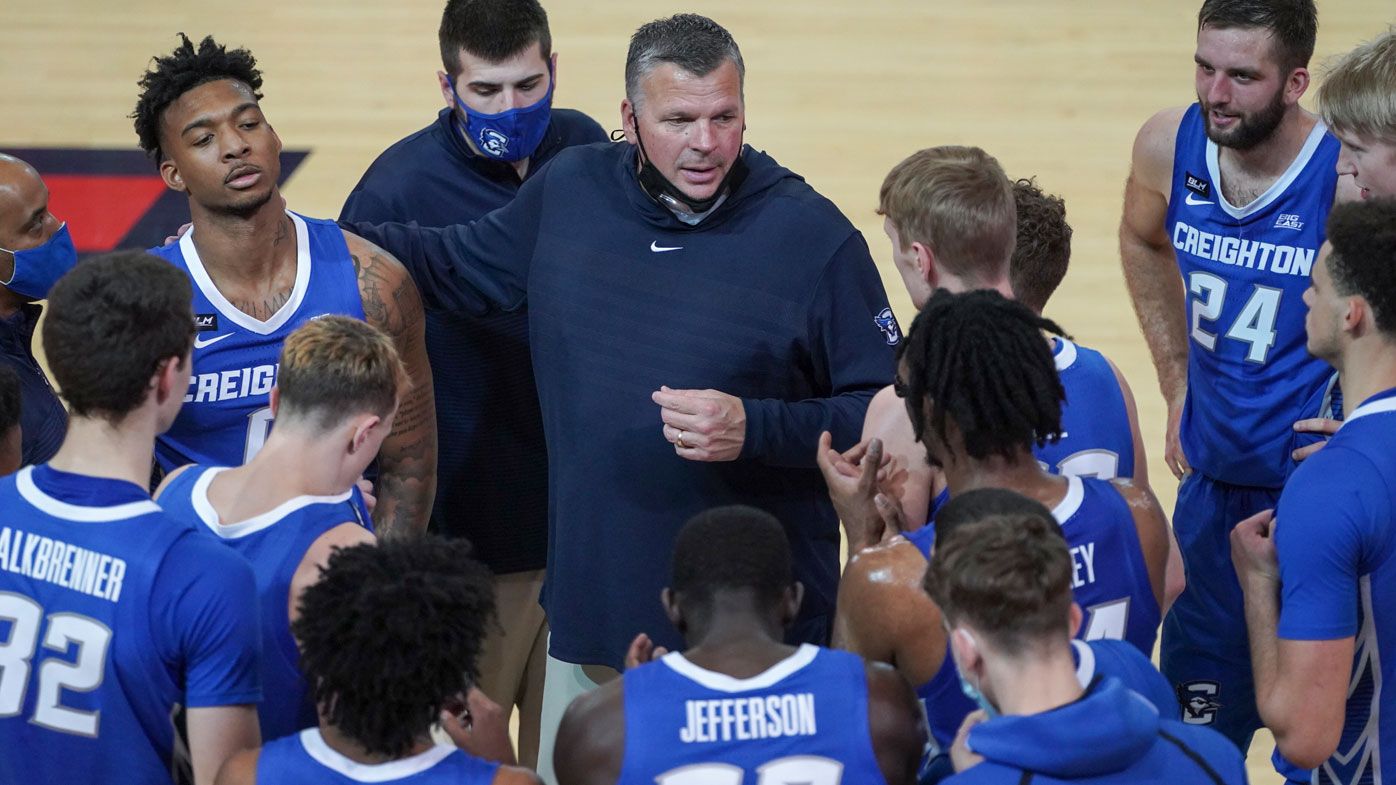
838	90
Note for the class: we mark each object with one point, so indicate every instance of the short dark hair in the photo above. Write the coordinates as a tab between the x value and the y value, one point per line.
692	42
979	359
1363	258
1008	575
730	548
1293	25
181	71
335	367
1043	251
981	503
111	322
9	399
493	29
390	633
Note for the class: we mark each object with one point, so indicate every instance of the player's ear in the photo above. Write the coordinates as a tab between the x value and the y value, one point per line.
169	172
790	603
167	377
362	428
926	263
1296	84
274	400
1356	312
1076	617
670	602
966	650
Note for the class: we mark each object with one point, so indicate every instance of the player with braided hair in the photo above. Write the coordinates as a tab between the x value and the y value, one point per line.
390	636
982	390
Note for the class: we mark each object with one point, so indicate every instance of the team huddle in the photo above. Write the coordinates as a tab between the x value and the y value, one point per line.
277	509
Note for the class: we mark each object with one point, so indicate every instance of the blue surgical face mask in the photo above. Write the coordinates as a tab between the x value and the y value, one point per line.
37	269
972	692
511	135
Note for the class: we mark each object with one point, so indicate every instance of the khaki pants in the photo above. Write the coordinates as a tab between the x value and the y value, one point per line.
513	664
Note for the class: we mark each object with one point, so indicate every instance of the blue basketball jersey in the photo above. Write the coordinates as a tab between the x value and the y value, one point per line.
274	543
1096	438
1336	542
1110	582
805	719
111	614
1245	270
305	758
226	414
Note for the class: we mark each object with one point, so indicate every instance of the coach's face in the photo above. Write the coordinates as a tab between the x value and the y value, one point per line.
219	148
691	126
1371	162
1243	92
25	220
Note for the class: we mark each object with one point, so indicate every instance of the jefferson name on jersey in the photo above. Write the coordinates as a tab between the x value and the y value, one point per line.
742	719
232	384
1278	259
54	561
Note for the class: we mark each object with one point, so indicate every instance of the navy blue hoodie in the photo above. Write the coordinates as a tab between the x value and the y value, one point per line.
773	298
491	471
1110	735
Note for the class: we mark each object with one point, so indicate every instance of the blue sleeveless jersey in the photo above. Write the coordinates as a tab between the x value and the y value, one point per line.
1096	437
1336	545
1110	582
1245	271
274	544
111	614
305	758
805	719
226	414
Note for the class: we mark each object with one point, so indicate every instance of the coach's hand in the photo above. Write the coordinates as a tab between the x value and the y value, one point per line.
1321	425
1253	548
703	425
1173	443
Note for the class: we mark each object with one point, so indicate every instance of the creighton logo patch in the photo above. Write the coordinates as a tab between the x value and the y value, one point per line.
1199	701
887	323
493	142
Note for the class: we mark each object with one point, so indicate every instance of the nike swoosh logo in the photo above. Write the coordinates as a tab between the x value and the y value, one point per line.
657	248
1196	202
198	344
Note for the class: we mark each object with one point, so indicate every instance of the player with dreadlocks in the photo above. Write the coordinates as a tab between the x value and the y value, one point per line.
260	271
982	390
391	637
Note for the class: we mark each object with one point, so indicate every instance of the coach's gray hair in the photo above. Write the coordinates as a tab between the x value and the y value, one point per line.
694	43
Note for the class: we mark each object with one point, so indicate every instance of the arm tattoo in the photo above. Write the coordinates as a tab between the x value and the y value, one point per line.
407	480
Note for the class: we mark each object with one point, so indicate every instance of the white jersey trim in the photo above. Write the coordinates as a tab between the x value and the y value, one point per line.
721	682
24	483
198	496
1065	354
1085	662
1277	188
227	309
402	768
1375	407
1071	503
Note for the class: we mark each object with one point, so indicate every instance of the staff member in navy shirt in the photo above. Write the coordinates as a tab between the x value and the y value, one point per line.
35	251
498	129
697	315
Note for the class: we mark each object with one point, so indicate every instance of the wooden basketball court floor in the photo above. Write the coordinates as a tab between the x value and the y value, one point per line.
838	90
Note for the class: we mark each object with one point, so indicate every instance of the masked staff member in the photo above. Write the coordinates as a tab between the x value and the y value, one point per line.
496	132
35	251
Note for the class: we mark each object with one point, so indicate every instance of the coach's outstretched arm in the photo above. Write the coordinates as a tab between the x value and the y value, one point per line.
848	345
1151	270
476	267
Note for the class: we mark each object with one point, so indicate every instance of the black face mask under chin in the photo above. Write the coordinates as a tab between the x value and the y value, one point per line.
666	193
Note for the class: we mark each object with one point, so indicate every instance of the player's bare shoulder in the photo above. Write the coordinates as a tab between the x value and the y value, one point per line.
895	561
591	738
390	299
1152	158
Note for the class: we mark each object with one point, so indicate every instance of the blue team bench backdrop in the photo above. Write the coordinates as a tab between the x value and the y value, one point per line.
115	198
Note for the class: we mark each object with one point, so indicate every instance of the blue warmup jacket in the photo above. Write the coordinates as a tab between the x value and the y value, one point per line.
773	299
491	467
1110	735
